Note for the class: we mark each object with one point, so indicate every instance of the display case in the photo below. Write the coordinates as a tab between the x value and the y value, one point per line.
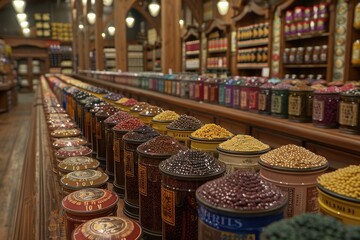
192	50
135	58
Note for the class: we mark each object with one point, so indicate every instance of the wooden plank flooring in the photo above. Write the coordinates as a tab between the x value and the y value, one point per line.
14	134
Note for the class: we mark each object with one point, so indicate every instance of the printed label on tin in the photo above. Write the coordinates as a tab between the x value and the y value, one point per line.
168	206
338	206
253	97
116	150
129	163
98	130
349	114
295	105
290	193
142	180
243	101
87	119
262	102
93	126
318	110
312	200
276	104
237	97
181	135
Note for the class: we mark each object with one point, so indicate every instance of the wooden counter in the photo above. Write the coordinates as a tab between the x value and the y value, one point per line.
8	96
339	148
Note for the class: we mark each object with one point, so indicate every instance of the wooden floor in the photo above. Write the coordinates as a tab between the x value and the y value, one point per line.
14	134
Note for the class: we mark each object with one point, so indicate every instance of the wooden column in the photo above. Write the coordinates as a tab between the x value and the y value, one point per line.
170	35
99	29
86	40
120	10
78	35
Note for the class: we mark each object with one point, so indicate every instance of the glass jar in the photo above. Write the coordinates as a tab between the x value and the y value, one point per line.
279	100
236	94
316	54
292	55
214	91
229	91
298	14
191	86
299	57
286	56
253	98
199	89
355	56
349	114
300	104
222	87
289	16
323	54
308	54
325	109
264	99
307	13
160	84
207	90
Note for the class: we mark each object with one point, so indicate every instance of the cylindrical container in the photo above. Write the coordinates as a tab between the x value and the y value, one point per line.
242	153
147	115
208	137
253	98
294	170
108	228
182	174
222	87
65	133
264	99
160	121
182	128
93	111
119	168
100	116
77	163
86	204
151	154
80	102
227	208
339	194
131	141
325	109
86	129
139	107
78	180
73	151
279	100
127	105
300	103
110	122
349	112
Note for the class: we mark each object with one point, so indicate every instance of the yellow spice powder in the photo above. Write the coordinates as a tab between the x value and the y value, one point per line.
211	131
243	143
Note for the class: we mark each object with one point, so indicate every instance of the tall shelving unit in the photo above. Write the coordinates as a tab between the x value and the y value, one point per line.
135	58
192	53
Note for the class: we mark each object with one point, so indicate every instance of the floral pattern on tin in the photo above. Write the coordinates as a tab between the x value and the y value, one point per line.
110	226
88	194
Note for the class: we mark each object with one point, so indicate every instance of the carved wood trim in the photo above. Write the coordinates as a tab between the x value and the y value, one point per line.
216	23
191	31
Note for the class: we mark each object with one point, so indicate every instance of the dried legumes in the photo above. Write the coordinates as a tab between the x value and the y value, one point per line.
185	122
211	131
243	143
130	102
164	145
129	124
344	181
118	117
241	191
292	156
166	116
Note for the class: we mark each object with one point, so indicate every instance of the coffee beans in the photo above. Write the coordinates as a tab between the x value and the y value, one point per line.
166	116
243	143
118	117
344	181
128	124
185	122
292	156
141	134
163	145
211	131
241	191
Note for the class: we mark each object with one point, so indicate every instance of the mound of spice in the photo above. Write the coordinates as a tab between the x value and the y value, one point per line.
66	152
166	116
185	122
162	145
118	117
122	100
211	131
113	96
71	132
128	124
69	142
141	134
243	143
344	181
243	191
130	102
292	156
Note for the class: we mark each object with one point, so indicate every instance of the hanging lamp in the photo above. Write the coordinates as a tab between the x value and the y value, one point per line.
19	5
154	8
111	30
91	17
130	20
223	7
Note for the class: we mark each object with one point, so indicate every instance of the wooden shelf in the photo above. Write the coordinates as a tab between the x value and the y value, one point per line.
305	66
189	53
217	68
253	43
218	51
251	65
355	65
306	36
192	69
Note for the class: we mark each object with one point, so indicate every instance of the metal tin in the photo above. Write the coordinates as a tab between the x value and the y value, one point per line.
279	103
109	152
68	142
119	170
349	113
206	145
65	133
86	204
108	228
325	109
77	163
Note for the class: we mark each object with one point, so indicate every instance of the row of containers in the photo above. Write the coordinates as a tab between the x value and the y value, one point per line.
181	179
327	105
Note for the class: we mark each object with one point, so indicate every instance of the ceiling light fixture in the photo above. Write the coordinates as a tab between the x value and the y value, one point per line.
154	8
91	17
24	24
111	30
107	2
103	35
181	22
81	26
21	17
84	2
26	32
130	20
223	7
19	5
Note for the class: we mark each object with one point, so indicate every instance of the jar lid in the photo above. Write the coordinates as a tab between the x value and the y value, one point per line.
73	151
151	111
141	134
89	201
161	146
108	228
78	163
69	142
62	124
84	178
61	133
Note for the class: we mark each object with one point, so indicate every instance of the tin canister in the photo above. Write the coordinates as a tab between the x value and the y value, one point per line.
86	204
160	126
183	136
109	153
206	145
300	105
279	103
78	180
119	170
349	113
108	228
77	163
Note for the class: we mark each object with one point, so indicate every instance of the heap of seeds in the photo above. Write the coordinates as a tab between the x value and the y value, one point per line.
211	131
243	143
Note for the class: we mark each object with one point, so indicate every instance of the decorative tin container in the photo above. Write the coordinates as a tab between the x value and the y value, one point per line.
131	141
206	145
279	100
68	142
349	112
78	180
182	174
300	104
182	128
151	154
108	228
238	206
325	109
264	99
65	133
147	114
86	204
77	163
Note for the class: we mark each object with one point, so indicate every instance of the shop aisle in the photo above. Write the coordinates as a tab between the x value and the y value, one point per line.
14	135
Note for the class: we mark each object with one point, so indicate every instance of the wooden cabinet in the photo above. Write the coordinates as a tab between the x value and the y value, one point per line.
192	51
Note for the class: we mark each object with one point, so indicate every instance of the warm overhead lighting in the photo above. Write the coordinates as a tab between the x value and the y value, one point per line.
81	26
181	22
84	2
24	24
91	17
92	2
107	2
154	8
223	7
26	32
21	17
111	30
103	35
19	5
130	20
